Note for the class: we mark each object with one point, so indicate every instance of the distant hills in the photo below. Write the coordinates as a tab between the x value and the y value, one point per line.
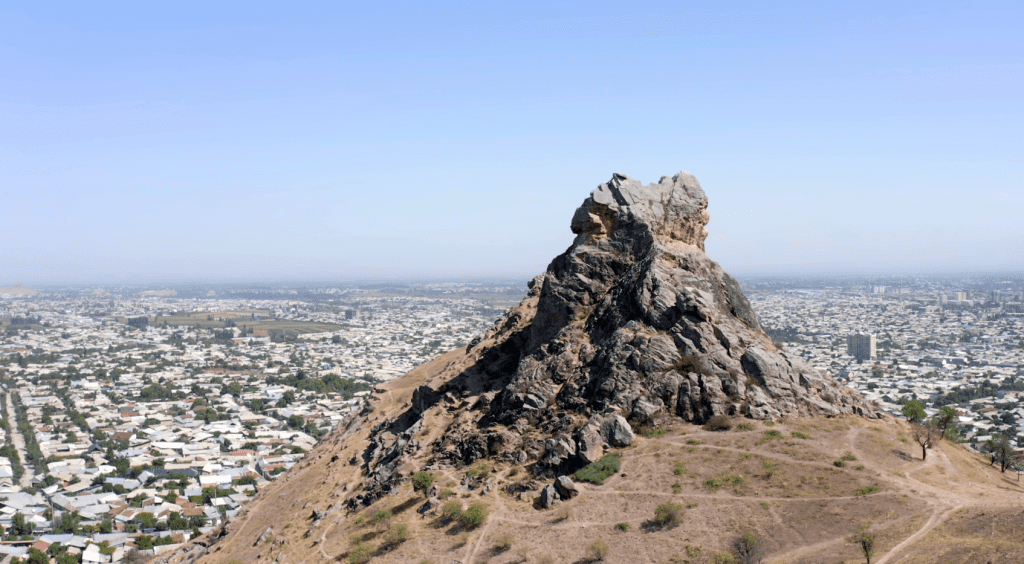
18	290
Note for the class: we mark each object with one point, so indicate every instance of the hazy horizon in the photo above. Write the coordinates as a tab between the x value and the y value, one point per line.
257	143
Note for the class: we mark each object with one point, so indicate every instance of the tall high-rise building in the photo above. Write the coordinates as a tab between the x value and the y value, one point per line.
861	346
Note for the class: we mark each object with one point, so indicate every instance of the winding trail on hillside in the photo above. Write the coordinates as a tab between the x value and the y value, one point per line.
480	540
937	517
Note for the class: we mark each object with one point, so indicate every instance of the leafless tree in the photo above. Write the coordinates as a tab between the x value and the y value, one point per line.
925	435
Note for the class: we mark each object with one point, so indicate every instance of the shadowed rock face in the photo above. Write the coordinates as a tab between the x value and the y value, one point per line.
635	318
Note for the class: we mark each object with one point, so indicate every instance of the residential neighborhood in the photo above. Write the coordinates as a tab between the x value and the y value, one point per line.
937	342
133	422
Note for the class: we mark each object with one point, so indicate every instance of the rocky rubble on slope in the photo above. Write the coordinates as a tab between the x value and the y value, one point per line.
631	325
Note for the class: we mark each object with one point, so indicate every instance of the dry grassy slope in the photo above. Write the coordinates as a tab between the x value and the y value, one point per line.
952	507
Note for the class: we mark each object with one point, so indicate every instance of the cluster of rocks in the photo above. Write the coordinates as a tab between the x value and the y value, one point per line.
563	488
587	444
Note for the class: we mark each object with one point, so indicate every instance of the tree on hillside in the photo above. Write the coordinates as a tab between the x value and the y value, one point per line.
1002	451
865	542
946	420
925	435
913	410
750	548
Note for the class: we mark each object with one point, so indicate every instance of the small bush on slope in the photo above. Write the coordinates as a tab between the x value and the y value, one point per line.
598	472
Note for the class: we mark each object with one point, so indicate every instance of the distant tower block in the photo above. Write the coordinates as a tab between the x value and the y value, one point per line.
861	346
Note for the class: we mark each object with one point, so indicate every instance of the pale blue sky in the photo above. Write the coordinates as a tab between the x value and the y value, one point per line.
290	141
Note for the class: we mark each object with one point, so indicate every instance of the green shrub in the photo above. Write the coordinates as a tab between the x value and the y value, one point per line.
360	553
839	464
446	493
598	472
770	468
396	535
624	527
848	457
799	435
769	435
474	516
381	518
598	550
656	433
680	468
677	487
422	481
479	471
451	510
867	490
744	427
668	514
714	484
694	442
503	542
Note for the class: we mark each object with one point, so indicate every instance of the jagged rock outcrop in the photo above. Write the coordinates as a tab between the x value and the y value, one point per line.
632	324
635	317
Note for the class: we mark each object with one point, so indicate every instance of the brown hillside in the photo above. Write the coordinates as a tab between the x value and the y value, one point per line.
952	507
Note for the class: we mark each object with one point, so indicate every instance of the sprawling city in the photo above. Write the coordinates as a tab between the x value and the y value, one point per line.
135	419
139	418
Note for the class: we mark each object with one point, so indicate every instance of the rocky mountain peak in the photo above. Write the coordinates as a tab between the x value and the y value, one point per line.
633	325
673	209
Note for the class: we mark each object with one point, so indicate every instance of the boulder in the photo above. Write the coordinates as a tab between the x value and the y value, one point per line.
566	488
428	506
589	442
558	450
617	432
548	496
266	534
